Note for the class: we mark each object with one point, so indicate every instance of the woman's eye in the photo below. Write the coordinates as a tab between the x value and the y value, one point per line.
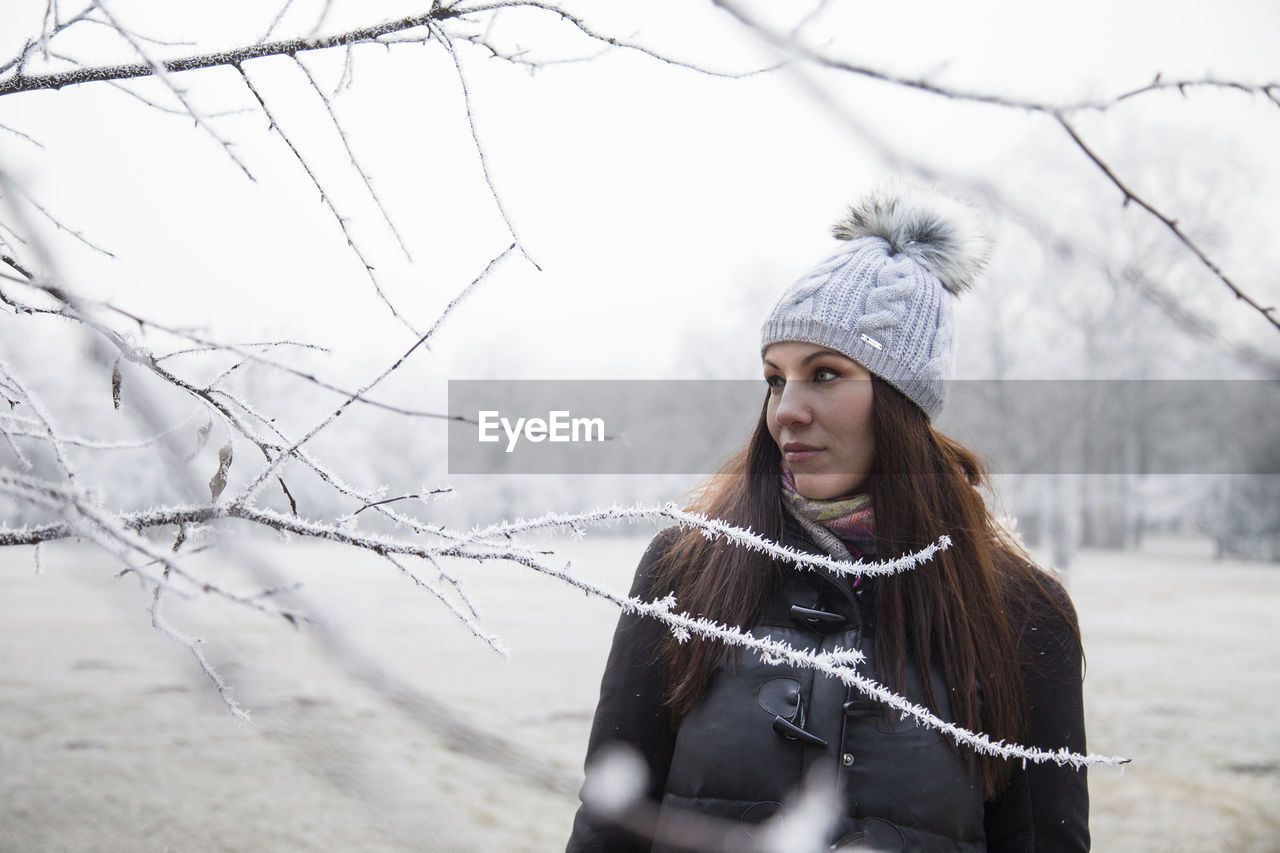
774	381
825	374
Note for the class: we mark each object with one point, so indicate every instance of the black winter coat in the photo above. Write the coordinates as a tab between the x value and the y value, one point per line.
760	729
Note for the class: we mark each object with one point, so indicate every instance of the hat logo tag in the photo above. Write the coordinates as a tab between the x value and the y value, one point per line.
871	342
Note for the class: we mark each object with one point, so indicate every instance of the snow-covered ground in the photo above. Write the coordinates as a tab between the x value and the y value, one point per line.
111	739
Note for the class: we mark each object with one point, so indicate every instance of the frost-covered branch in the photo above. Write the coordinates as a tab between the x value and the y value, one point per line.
790	44
712	528
475	138
1168	222
327	200
441	24
355	162
193	644
20	82
160	71
839	664
257	483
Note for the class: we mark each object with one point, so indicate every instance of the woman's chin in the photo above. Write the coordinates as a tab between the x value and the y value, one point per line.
824	487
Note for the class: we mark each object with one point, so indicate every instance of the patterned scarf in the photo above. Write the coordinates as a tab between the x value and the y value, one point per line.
849	520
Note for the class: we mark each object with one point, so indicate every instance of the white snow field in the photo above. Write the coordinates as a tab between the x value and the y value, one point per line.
112	739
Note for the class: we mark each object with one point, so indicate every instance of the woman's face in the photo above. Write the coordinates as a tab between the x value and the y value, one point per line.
819	413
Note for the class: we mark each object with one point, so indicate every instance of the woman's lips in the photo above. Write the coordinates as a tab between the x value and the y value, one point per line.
795	451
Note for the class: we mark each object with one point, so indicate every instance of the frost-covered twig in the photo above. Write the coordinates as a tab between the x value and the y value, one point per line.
85	517
20	427
208	348
21	135
192	645
20	82
519	58
78	235
1168	222
328	202
355	162
160	71
789	44
253	487
275	22
612	41
839	664
45	420
468	619
475	139
712	528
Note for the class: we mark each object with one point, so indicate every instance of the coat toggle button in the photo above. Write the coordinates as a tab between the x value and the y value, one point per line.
813	617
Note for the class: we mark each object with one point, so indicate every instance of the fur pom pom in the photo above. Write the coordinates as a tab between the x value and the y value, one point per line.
943	235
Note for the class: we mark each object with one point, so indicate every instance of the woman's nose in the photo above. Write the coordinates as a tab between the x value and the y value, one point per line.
792	408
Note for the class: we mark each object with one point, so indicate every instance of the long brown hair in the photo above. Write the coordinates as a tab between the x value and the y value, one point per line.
950	612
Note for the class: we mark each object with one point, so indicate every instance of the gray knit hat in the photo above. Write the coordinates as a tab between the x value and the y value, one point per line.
884	299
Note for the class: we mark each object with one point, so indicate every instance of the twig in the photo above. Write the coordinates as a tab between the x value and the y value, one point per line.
161	71
206	348
79	236
518	58
468	619
192	645
275	22
327	200
257	483
838	663
47	24
235	56
1130	196
346	143
397	499
1181	86
21	58
1059	113
18	133
713	529
156	105
461	11
45	420
475	137
324	13
149	39
87	443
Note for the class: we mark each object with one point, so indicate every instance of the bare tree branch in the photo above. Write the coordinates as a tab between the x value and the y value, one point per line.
355	163
250	490
275	22
19	60
1182	87
21	135
159	70
1130	196
791	45
78	235
581	24
328	202
475	137
238	56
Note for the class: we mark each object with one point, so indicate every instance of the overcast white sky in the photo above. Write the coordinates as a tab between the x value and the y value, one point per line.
661	204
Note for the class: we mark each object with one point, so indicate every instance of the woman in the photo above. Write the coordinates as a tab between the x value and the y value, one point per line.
844	462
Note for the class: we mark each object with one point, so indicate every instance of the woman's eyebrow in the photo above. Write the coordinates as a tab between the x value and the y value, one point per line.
810	357
820	353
